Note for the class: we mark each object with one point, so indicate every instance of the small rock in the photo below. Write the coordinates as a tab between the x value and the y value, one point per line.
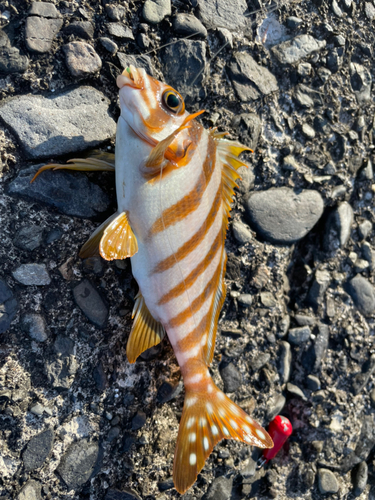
245	299
303	320
361	379
40	33
168	391
284	324
138	420
275	407
246	181
109	45
370	11
338	227
259	361
295	390
363	294
44	9
81	59
113	434
225	36
12	61
223	14
187	24
82	29
359	478
241	232
8	306
317	351
78	463
115	12
298	336
293	22
364	229
232	378
154	11
90	302
313	383
304	69
37	410
32	274
361	81
83	121
125	494
285	361
369	254
61	369
38	449
120	31
35	326
248	126
281	215
268	300
32	490
327	482
298	48
250	80
306	97
318	287
29	237
220	489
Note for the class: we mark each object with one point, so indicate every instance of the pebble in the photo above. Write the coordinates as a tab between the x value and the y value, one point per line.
260	360
35	326
370	11
361	380
81	59
359	478
248	126
138	420
284	324
250	80
220	489
120	31
335	59
70	192
115	12
62	368
246	181
113	434
298	336
168	391
12	61
361	82
62	123
32	274
304	69
32	490
308	131
369	254
281	215
232	378
223	14
316	352
37	410
338	227
285	361
8	306
245	299
363	294
313	383
327	482
293	22
292	51
268	300
154	11
44	9
295	391
78	463
29	237
38	449
82	29
364	229
40	33
89	301
304	319
275	407
319	285
336	9
109	44
187	24
99	377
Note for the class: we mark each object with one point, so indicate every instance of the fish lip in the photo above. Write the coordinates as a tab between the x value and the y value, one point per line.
128	78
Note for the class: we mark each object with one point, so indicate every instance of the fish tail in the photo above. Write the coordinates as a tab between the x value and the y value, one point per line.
207	418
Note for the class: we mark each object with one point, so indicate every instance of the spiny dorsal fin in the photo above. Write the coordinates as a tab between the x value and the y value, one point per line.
146	331
207	418
118	240
91	247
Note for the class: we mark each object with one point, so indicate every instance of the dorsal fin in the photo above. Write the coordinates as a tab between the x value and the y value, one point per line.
118	240
146	331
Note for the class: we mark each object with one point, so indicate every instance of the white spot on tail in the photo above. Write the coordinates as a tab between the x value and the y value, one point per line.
233	424
214	430
246	429
193	459
192	437
190	401
195	379
250	420
190	422
225	430
202	422
260	434
220	395
209	408
206	444
234	409
210	387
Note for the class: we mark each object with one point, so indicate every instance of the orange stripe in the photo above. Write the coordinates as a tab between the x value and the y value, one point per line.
191	201
194	241
201	267
198	301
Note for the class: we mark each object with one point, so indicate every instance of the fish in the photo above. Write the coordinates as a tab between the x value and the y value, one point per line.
175	184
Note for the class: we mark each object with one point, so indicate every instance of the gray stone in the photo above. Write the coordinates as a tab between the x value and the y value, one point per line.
138	420
298	336
260	360
338	227
285	361
313	383
40	33
318	287
361	81
220	489
168	391
250	80
29	237
82	29
90	302
281	215
268	300
154	11
232	378
360	477
295	391
38	449
32	274
78	464
335	59
245	299
120	31
62	368
293	22
327	482
275	407
292	51
187	24
8	306
70	192
241	232
115	12
336	9
248	126
246	181
284	324
12	61
31	491
109	44
62	123
223	14
315	354
140	61
304	319
307	98
364	229
369	254
308	131
361	380
35	326
363	294
81	59
125	494
370	11
44	9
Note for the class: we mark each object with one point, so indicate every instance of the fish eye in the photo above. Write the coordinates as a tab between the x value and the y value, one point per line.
173	101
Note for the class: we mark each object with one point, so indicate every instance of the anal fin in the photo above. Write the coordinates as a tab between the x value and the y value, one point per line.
146	331
118	240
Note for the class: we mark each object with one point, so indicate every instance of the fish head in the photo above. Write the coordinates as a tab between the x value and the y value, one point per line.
153	109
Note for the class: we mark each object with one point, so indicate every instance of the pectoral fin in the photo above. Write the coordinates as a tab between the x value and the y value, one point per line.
91	247
118	240
146	331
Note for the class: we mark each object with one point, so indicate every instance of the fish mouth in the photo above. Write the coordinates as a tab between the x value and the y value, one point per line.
130	77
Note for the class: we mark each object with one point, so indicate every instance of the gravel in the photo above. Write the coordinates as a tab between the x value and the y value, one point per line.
296	333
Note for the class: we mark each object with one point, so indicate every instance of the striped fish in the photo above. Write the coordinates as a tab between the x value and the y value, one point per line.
174	184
